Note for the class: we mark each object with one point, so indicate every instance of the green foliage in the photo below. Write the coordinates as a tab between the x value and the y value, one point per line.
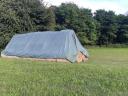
105	74
115	46
108	26
21	16
101	28
122	33
66	15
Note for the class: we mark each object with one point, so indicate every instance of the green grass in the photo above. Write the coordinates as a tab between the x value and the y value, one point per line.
105	74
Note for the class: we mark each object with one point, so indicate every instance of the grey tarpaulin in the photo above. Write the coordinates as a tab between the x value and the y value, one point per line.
47	45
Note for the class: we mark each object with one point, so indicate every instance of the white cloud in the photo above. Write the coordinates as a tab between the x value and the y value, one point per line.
118	6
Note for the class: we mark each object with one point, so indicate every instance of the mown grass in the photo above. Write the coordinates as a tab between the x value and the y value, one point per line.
105	74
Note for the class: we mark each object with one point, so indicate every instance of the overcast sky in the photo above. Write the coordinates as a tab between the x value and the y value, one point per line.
118	6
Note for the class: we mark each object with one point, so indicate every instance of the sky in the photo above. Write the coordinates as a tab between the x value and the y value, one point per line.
118	6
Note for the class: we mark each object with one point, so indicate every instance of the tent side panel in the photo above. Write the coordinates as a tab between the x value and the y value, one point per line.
71	49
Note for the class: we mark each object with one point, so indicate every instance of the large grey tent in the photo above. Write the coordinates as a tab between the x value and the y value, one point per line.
46	45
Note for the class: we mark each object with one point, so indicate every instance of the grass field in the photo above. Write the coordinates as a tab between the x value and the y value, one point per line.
105	74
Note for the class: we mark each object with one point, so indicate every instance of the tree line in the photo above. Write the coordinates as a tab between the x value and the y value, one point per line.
99	28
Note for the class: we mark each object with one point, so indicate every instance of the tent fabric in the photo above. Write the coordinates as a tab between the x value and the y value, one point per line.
62	44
